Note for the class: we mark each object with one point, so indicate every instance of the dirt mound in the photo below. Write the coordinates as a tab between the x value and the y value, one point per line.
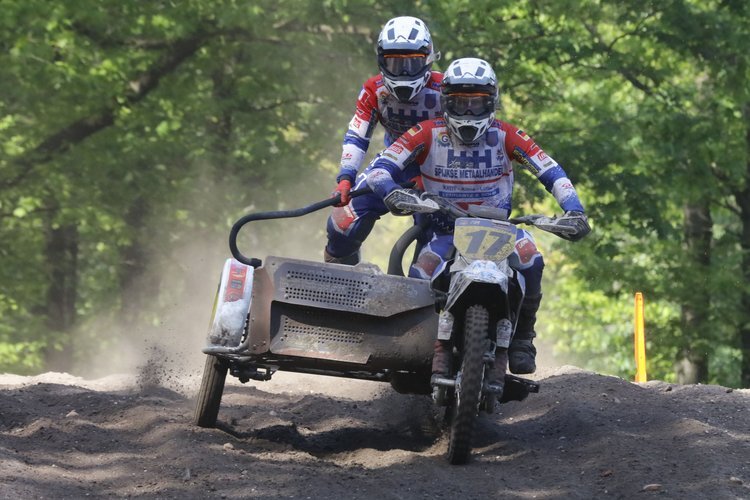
583	436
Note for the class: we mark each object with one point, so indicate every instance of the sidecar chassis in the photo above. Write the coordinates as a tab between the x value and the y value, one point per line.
329	319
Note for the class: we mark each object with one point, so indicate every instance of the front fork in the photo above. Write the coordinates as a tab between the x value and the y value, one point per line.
445	388
469	282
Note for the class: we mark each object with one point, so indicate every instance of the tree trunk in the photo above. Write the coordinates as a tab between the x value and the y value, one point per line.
691	365
61	255
743	201
744	331
137	287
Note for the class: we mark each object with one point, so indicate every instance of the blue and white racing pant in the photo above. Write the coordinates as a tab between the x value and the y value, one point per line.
349	226
525	258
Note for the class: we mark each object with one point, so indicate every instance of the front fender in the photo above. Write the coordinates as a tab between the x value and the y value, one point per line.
478	271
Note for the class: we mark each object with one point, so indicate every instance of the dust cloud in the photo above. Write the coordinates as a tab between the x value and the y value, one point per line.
161	344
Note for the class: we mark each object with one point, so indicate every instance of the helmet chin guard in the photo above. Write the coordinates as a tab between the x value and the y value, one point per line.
469	131
406	90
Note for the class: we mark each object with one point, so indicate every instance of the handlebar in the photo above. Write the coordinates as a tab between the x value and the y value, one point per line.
432	203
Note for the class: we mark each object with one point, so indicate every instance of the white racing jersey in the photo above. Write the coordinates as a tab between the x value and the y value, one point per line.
478	173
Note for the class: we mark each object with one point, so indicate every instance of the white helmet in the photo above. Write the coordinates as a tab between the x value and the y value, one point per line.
468	98
405	56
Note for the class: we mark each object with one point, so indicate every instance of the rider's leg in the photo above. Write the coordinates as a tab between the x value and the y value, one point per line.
529	262
430	260
432	256
522	353
348	227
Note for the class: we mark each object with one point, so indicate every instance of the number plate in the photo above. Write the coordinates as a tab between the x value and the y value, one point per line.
484	239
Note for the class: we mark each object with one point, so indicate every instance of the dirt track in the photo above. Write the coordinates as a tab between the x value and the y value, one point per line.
583	436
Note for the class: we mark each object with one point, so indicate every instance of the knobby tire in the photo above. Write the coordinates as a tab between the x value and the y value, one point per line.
465	410
209	395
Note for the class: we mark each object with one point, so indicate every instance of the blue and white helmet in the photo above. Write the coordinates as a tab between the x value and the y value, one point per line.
405	56
468	98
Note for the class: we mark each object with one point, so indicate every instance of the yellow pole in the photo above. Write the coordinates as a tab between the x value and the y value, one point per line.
640	340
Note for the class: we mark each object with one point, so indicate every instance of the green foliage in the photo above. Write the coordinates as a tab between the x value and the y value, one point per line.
641	105
142	123
151	126
22	357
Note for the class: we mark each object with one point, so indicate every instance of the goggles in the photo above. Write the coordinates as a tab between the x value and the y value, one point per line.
469	104
403	64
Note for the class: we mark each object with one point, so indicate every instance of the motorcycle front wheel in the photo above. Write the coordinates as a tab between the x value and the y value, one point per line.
468	393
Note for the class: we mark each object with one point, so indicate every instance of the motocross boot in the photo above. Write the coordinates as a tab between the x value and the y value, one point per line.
441	359
522	353
496	381
441	368
349	260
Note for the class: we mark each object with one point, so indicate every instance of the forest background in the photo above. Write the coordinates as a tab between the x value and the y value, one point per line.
134	133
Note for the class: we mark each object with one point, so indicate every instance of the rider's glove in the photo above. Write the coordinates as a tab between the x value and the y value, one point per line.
343	188
401	195
577	220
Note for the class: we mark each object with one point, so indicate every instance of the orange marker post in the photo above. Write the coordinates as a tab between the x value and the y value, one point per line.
640	340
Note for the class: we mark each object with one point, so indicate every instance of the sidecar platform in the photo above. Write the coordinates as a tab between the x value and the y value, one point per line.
350	321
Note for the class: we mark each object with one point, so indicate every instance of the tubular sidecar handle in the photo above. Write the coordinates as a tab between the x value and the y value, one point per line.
284	214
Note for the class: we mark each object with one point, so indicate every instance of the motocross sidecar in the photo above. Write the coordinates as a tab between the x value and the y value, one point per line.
311	317
327	319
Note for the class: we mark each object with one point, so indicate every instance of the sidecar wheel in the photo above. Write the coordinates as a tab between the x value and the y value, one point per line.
466	406
209	395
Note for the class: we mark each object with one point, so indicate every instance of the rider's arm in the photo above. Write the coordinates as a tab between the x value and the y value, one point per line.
414	145
359	133
529	155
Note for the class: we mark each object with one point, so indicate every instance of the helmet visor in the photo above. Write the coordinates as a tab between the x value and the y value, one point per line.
396	65
474	104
